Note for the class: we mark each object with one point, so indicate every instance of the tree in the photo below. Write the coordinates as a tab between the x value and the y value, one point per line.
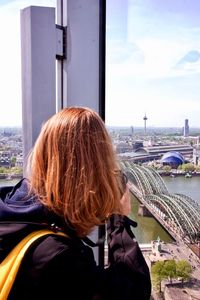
13	161
3	170
16	170
183	269
157	274
167	168
189	167
169	269
197	168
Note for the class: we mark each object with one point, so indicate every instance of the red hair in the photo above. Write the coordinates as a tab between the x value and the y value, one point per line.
73	169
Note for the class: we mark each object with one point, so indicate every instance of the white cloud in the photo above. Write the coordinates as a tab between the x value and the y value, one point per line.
150	58
10	59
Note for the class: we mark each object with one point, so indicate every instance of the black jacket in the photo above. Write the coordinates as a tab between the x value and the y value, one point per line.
56	267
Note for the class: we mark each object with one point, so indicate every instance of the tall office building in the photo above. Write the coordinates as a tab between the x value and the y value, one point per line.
186	128
132	130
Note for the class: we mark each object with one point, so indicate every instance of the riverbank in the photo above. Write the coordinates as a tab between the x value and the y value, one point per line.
10	182
177	289
180	174
10	176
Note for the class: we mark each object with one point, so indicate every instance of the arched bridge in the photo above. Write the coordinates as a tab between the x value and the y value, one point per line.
178	213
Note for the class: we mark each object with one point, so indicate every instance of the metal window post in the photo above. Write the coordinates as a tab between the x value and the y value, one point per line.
80	74
81	77
38	48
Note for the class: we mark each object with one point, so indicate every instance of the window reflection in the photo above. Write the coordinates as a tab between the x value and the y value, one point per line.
152	91
153	62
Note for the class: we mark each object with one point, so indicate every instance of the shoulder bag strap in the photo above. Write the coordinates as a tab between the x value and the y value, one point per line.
10	265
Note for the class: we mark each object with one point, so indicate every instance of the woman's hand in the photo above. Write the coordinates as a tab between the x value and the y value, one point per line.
126	202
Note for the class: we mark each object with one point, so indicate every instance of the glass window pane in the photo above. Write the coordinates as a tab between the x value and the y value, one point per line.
153	59
11	160
152	90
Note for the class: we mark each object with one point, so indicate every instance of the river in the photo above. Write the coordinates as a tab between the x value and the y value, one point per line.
4	182
187	186
148	228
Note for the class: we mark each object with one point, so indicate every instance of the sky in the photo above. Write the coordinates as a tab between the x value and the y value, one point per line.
153	62
10	59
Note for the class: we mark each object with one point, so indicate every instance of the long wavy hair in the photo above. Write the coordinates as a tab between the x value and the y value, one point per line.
74	170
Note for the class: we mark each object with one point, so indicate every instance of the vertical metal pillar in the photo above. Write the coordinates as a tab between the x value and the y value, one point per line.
80	75
83	72
61	76
84	67
38	50
102	57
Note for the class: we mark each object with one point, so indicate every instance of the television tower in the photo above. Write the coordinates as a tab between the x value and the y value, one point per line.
145	123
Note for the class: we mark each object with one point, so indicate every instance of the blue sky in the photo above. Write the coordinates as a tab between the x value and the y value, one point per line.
153	62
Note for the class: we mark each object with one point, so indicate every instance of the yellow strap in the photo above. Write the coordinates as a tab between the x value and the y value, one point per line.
10	265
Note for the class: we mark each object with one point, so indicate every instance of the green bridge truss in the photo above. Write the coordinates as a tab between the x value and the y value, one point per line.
177	210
